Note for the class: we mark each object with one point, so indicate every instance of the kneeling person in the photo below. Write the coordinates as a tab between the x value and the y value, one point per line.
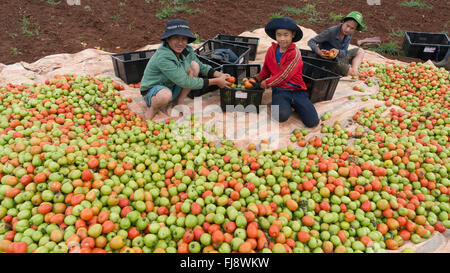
282	71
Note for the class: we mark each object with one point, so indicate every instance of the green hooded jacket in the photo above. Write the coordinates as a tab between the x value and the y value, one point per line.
165	68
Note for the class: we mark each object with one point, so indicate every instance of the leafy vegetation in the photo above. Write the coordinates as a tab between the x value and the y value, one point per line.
169	11
276	15
390	47
309	9
197	39
174	6
397	33
115	17
416	4
53	3
15	51
26	23
335	16
11	34
292	10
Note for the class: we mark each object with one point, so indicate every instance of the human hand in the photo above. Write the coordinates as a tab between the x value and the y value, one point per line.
222	82
255	83
253	79
323	53
263	84
334	53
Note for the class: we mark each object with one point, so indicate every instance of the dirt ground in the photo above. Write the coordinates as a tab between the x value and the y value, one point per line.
37	28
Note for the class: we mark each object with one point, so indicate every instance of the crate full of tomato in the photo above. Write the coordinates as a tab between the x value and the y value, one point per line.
243	92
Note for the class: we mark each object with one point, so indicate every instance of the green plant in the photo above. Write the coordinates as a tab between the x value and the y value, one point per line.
186	9
292	10
15	51
312	20
26	22
88	8
178	2
309	20
392	17
115	17
11	34
416	4
391	48
122	4
397	33
197	39
276	15
51	2
335	16
309	9
168	11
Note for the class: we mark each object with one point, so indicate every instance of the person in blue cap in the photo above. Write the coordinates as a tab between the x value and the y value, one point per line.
336	40
283	72
174	69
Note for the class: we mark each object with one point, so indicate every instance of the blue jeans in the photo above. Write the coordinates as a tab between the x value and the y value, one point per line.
299	100
176	91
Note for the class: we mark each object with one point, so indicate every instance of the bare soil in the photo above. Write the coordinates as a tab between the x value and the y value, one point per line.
33	29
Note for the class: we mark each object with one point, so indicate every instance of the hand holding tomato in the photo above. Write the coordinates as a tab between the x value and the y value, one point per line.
333	53
231	79
221	81
322	53
325	54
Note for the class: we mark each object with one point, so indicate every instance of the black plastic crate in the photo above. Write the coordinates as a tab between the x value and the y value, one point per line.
241	71
320	83
426	46
207	89
239	96
311	57
130	66
208	47
251	42
213	64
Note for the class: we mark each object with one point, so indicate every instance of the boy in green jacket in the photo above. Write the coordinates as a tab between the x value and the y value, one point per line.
173	70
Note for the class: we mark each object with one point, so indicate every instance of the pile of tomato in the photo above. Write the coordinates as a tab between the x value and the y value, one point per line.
80	172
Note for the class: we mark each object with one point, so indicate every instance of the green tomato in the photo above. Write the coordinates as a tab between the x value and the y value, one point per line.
150	240
194	247
206	239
